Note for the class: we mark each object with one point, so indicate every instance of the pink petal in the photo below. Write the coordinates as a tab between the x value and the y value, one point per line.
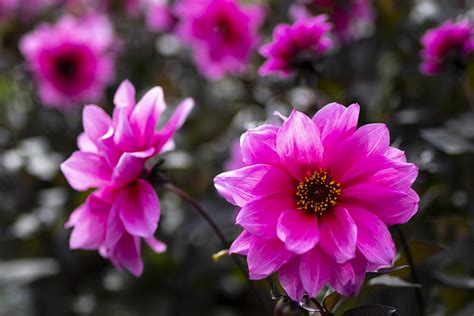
396	154
127	254
260	216
146	114
368	140
266	256
289	275
89	222
85	144
124	98
259	146
373	238
241	244
124	135
96	122
390	205
130	166
86	170
349	277
242	185
338	234
298	229
175	122
299	144
115	228
156	245
139	208
316	270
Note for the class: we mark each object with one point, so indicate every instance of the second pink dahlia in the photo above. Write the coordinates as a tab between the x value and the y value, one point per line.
317	196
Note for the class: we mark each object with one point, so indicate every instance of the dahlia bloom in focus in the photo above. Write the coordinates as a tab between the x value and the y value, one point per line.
73	60
316	197
111	158
221	33
450	42
348	16
296	47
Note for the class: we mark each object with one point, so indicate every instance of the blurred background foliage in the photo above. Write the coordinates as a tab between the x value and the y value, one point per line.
431	118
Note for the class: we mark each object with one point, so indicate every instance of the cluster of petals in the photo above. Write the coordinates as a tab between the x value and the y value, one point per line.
307	38
337	246
347	16
73	60
111	158
222	34
455	38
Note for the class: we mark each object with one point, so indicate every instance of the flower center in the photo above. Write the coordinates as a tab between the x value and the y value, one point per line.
317	193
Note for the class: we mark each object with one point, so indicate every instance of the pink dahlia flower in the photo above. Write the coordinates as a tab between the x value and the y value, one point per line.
111	157
73	60
296	47
450	42
316	198
222	34
348	15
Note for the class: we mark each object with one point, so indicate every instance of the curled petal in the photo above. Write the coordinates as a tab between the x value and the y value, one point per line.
175	122
298	230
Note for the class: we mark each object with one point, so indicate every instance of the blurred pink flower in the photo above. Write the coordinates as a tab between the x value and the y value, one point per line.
111	157
73	60
348	15
159	17
7	9
296	46
222	34
235	159
316	197
450	40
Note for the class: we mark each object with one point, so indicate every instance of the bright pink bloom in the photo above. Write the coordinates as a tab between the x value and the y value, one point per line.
159	17
296	47
73	60
111	157
222	34
316	197
348	15
455	40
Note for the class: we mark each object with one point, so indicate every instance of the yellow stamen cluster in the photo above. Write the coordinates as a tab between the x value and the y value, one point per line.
317	193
